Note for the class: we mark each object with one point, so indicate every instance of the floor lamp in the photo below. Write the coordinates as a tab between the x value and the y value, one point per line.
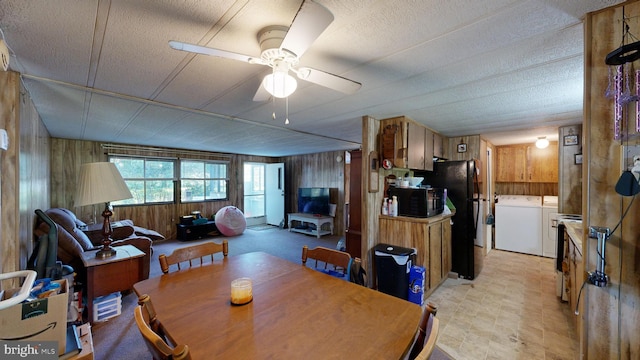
101	182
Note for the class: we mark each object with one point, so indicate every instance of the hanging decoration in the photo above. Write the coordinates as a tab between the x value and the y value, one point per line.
617	104
621	59
637	102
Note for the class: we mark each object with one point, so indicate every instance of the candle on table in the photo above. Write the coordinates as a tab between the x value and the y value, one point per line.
241	291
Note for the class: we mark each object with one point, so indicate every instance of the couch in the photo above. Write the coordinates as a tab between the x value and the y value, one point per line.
72	241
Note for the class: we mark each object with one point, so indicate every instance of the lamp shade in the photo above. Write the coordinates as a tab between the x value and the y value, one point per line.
100	182
280	84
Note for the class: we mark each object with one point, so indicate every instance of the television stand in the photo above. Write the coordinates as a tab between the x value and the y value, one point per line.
317	220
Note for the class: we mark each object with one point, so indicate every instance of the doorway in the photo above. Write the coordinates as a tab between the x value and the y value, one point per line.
264	193
254	193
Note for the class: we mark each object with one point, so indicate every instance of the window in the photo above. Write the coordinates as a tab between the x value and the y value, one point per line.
203	180
150	180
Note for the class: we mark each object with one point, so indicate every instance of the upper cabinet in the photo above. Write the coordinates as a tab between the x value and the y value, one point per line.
406	143
415	146
527	163
429	149
511	163
438	145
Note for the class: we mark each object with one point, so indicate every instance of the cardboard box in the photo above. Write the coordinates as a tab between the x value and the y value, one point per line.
40	320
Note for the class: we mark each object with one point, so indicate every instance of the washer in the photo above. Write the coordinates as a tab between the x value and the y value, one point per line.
549	226
519	224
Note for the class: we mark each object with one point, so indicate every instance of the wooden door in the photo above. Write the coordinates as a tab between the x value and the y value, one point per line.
353	233
435	254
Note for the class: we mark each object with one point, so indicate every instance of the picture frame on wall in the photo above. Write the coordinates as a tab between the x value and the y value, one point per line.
373	172
570	140
578	159
462	147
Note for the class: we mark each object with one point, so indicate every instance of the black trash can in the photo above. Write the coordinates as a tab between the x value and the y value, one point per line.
392	269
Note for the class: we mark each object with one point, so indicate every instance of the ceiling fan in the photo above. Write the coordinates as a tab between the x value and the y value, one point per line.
281	49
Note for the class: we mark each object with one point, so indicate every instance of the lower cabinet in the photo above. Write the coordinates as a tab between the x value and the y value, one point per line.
576	269
431	237
574	275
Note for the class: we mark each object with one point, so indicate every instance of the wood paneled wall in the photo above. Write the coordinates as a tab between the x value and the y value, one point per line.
317	170
522	188
611	314
371	201
24	166
473	148
570	173
34	169
9	202
313	170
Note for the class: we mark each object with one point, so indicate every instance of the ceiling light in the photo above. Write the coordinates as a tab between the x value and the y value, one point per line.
279	83
542	142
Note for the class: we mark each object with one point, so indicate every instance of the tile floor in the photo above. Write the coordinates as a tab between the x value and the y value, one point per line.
510	311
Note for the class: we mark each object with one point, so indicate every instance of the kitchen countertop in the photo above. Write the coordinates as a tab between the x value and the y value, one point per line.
574	230
428	220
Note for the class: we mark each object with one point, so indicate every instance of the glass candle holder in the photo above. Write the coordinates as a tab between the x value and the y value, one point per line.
241	291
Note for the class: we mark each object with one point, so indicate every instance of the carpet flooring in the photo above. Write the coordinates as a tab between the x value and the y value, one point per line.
118	338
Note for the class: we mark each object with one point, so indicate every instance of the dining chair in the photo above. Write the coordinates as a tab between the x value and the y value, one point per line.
427	334
155	339
337	258
191	253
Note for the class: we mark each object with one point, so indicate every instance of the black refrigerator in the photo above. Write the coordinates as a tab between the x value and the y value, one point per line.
461	181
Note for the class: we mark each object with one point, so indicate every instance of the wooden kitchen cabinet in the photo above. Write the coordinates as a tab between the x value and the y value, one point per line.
576	269
415	146
511	163
428	149
542	164
407	143
438	145
526	163
431	237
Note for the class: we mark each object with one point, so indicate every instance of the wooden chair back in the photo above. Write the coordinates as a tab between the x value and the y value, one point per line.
339	259
191	253
156	342
427	334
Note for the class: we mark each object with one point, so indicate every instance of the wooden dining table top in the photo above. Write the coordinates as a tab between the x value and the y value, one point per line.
296	313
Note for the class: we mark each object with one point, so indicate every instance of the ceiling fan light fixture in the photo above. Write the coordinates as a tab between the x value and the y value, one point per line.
280	84
542	142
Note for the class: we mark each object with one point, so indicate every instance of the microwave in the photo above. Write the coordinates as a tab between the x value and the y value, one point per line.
419	202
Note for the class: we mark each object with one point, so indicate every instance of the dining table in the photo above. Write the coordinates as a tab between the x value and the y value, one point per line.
297	312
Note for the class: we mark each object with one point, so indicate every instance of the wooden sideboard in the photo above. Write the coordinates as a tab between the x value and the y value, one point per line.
431	237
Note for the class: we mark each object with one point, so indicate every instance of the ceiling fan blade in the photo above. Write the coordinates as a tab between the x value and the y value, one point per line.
330	81
210	51
310	21
261	94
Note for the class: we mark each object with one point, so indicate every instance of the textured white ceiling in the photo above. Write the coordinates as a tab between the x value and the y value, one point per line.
509	70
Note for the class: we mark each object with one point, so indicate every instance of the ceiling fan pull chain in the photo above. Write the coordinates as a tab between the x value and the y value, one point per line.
273	102
286	116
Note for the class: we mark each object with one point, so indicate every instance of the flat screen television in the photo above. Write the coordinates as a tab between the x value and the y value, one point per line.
313	201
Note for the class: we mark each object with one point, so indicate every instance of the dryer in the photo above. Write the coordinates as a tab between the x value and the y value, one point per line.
549	226
518	222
